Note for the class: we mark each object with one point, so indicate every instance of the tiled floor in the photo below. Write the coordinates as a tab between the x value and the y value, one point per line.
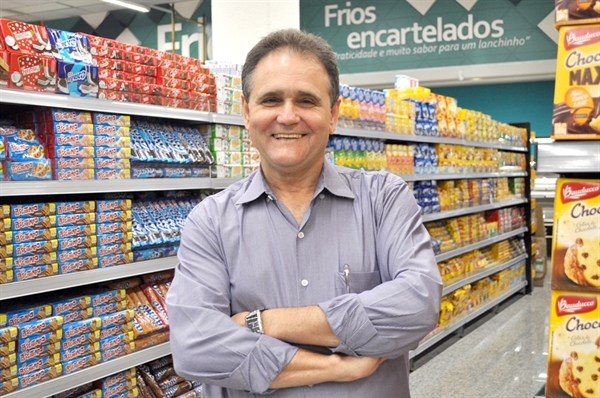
502	355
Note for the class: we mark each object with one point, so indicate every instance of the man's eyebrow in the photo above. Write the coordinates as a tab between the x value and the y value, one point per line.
276	93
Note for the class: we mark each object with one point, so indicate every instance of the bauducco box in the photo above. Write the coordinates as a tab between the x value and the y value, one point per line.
576	236
577	88
573	346
574	12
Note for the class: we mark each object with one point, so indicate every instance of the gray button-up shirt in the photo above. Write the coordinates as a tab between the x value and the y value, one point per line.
241	250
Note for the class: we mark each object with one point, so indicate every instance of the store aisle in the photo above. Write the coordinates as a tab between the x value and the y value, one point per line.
502	355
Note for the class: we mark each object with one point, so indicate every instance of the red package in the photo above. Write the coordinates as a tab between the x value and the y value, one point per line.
31	72
157	303
4	68
143	79
152	99
24	38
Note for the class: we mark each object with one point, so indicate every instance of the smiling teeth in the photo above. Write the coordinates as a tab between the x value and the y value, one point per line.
287	135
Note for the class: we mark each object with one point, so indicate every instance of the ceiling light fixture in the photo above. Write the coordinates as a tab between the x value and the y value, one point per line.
127	5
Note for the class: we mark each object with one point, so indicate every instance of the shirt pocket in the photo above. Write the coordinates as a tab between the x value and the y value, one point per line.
358	282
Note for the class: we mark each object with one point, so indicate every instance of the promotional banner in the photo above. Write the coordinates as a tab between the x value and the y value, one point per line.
372	36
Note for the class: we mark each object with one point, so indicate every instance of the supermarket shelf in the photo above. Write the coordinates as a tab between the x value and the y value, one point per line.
465	319
539	194
221	118
26	188
487	271
568	157
478	245
383	135
221	183
58	282
461	176
470	210
98	105
62	383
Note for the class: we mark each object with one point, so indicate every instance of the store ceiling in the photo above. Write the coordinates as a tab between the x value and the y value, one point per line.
47	10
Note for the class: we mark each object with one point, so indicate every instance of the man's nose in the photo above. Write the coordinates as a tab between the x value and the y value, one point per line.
288	114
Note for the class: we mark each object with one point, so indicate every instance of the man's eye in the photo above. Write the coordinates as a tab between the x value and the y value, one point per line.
270	101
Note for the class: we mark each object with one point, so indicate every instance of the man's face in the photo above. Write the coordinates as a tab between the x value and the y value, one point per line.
289	114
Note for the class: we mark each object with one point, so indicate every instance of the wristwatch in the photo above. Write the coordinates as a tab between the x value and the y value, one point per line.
253	321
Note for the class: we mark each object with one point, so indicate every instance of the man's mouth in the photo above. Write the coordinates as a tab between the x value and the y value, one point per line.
287	136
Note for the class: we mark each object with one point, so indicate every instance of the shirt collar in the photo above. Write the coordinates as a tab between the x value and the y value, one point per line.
330	179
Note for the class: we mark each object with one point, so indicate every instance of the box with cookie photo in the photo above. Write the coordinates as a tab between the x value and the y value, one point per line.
576	236
573	345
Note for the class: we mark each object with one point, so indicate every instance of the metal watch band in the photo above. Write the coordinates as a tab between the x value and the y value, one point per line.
254	321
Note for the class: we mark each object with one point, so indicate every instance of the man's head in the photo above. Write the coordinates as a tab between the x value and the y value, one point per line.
299	42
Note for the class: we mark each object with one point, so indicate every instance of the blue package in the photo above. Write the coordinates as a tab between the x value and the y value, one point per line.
77	79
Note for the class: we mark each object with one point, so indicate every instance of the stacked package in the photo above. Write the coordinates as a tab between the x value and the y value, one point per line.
229	94
114	229
82	145
230	145
22	155
163	150
358	153
361	108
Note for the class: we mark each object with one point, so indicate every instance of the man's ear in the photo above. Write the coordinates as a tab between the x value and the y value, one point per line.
245	112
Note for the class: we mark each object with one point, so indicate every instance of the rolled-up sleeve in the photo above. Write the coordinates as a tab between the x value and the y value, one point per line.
390	319
207	345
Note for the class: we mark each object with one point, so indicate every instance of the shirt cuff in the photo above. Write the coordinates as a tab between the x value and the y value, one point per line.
349	322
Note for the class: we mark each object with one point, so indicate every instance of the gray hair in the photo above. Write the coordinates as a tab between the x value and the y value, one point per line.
299	42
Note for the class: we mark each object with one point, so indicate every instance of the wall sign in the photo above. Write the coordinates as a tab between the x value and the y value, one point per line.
371	36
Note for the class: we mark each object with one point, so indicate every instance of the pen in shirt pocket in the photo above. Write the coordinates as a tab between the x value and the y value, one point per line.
347	277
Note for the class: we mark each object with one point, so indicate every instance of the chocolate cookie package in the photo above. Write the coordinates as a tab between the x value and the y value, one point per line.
575	12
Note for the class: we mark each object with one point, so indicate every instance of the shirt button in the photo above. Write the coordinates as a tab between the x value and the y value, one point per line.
301	235
269	198
304	282
322	196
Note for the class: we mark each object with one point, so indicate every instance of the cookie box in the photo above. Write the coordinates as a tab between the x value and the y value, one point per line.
40	351
114	227
38	271
576	12
38	247
117	318
114	153
76	230
115	259
115	330
77	79
117	248
98	45
573	345
30	170
112	216
18	316
70	47
82	363
113	164
8	334
116	352
24	38
76	242
40	376
39	340
76	254
576	236
19	224
7	349
62	306
576	112
109	308
33	235
70	266
85	206
77	315
9	386
34	260
69	152
8	370
78	140
49	115
114	238
74	163
4	69
6	237
32	73
64	220
118	389
118	377
39	327
79	351
111	296
70	330
7	251
109	342
154	253
36	364
111	131
33	210
81	339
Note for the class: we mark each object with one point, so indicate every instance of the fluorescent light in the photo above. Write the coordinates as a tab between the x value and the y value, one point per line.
127	5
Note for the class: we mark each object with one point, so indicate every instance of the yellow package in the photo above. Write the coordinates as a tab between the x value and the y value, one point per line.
576	236
573	345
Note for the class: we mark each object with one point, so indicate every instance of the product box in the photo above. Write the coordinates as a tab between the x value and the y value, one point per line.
24	38
576	236
78	79
66	128
32	72
4	69
70	47
576	112
575	12
573	345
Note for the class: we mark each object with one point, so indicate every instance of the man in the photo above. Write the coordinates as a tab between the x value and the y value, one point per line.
304	279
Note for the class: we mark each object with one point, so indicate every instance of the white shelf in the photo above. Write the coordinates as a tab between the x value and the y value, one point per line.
569	157
461	176
458	323
480	244
477	275
384	135
58	282
470	210
96	372
27	188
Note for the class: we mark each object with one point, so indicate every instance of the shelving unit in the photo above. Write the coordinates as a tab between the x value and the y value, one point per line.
29	190
62	383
